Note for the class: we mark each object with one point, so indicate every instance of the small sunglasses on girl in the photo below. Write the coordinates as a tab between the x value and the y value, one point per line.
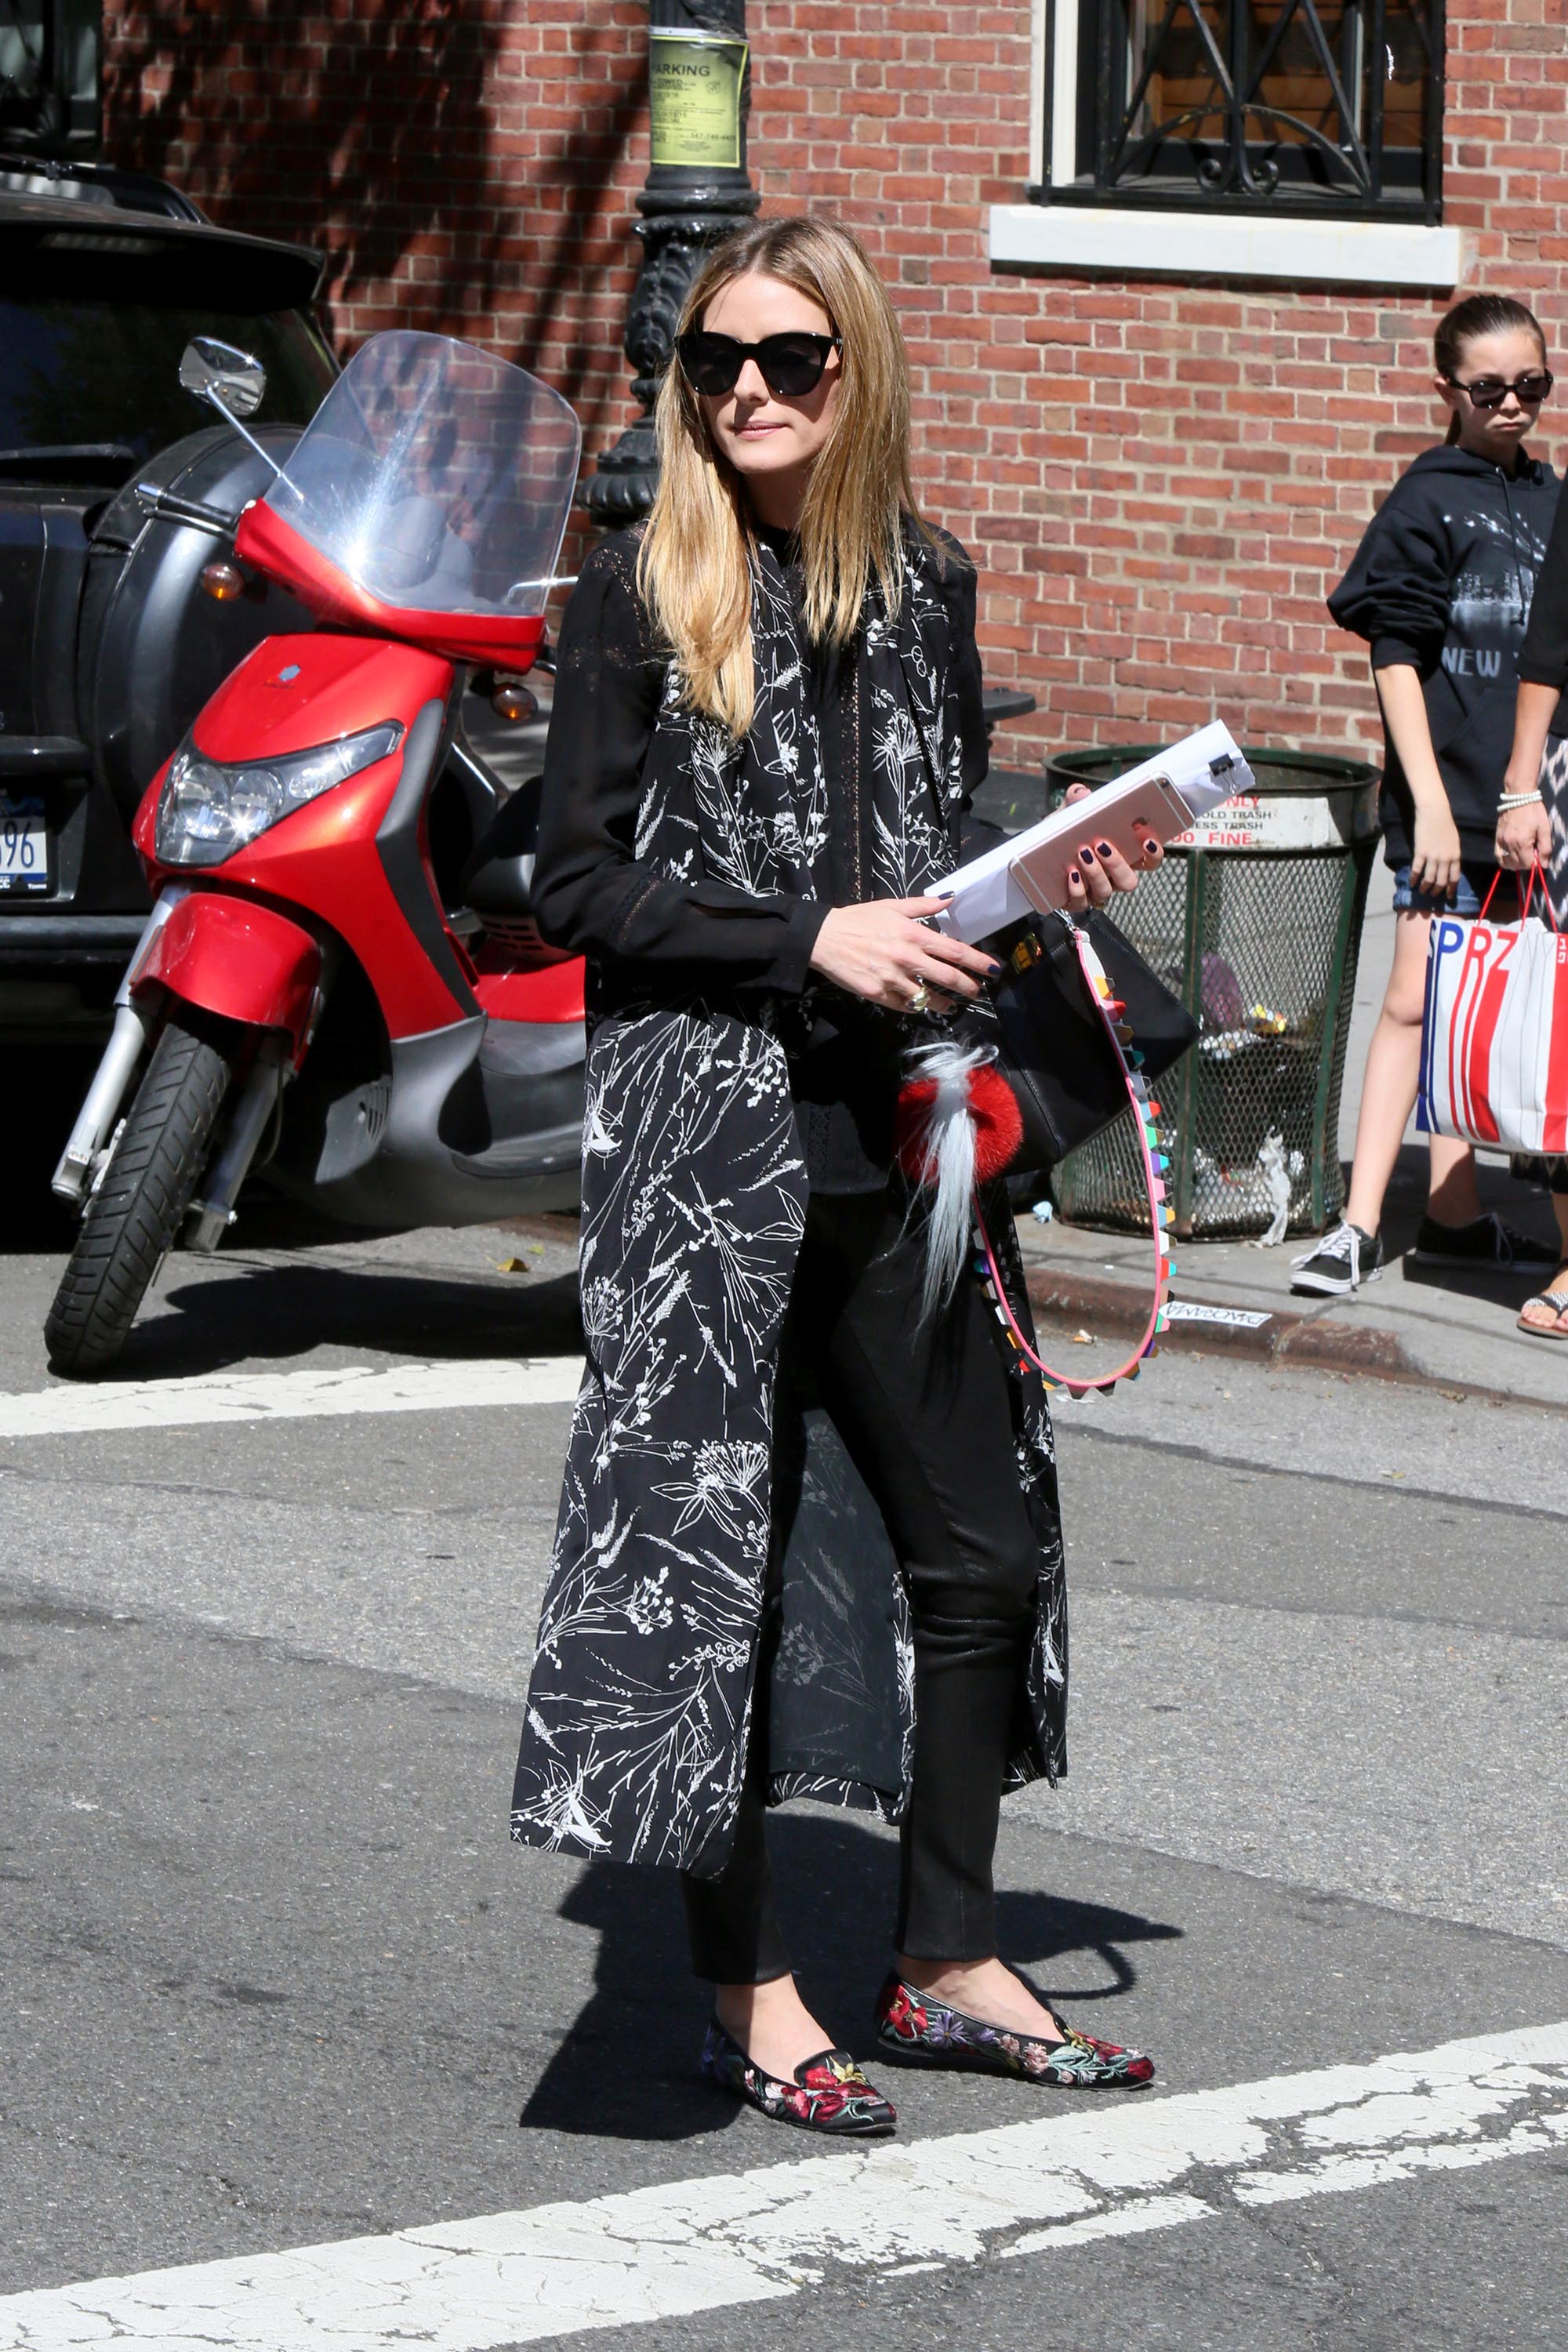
791	364
1490	391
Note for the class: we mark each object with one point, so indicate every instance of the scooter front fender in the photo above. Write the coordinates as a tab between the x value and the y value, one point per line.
240	961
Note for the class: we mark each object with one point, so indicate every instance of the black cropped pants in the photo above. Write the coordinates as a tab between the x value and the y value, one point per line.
923	1411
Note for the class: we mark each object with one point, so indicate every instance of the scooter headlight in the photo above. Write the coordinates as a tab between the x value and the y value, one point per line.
208	809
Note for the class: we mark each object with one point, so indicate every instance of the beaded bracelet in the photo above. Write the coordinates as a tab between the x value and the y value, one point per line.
1517	800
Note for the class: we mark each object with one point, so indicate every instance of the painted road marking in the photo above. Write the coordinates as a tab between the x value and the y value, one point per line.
69	1410
760	2236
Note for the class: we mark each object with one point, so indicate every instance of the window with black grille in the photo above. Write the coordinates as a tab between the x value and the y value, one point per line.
1303	107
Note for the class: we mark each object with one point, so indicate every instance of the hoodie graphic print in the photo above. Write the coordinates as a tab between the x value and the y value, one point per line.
1443	580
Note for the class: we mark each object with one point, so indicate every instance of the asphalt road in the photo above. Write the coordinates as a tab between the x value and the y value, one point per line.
274	1976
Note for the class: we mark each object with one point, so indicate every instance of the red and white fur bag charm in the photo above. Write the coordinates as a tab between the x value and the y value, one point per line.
958	1126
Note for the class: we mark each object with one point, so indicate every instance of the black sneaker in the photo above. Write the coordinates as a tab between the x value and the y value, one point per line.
1486	1246
1342	1260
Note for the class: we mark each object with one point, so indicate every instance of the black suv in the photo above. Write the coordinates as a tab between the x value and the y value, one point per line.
112	496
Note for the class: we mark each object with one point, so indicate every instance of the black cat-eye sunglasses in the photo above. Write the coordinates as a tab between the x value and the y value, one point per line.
1490	391
791	364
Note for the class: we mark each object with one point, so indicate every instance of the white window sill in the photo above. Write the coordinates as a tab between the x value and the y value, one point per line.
1089	241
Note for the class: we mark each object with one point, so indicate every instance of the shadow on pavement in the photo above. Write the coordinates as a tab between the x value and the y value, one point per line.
45	1086
286	1310
224	1310
628	2068
1506	1289
1525	1205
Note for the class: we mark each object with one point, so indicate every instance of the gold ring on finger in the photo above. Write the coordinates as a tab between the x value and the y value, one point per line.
920	999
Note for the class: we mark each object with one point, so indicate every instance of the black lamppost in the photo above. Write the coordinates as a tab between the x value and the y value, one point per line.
697	194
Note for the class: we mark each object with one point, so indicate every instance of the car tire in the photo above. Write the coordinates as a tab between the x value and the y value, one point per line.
135	1217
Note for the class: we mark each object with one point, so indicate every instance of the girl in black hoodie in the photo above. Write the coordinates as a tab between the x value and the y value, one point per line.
1441	589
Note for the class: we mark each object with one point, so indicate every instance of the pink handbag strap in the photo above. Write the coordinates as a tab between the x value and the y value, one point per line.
1112	1012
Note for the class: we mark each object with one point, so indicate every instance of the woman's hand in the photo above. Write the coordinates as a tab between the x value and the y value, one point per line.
1434	864
1437	852
1523	835
1526	832
1102	868
884	950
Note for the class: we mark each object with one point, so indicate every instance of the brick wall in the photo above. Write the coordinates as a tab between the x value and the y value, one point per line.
468	166
1158	481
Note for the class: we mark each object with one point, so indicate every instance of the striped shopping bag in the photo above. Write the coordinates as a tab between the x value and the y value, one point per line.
1494	1035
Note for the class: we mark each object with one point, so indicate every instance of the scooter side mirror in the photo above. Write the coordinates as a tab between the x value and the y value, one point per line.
230	380
227	378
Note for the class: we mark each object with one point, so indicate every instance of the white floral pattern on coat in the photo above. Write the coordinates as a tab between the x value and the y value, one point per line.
693	1205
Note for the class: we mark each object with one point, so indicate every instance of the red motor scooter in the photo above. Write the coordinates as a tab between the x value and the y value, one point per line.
310	993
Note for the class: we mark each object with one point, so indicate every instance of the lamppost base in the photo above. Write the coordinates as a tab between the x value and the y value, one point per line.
621	490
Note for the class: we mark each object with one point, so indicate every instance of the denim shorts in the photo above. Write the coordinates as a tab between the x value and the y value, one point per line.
1477	876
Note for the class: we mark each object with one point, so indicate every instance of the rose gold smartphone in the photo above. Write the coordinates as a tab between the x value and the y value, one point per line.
1041	872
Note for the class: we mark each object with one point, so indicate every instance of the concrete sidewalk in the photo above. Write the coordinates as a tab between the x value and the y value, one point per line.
1457	1331
1415	1322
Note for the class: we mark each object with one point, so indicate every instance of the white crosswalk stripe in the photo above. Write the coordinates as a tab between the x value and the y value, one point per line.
1079	2177
67	1410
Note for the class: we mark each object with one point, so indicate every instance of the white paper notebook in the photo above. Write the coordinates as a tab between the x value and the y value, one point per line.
1205	769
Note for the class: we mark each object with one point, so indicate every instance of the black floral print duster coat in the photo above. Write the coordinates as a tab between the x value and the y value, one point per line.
694	1196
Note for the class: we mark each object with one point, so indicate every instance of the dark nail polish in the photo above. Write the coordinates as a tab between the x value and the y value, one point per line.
995	969
1074	876
1087	855
1103	847
945	893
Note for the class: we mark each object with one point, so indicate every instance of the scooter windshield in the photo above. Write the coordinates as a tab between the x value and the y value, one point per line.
436	479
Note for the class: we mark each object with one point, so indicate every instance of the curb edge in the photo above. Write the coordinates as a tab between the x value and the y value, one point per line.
1308	1341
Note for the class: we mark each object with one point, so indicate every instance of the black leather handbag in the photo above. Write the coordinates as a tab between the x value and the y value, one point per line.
1071	1032
1051	1042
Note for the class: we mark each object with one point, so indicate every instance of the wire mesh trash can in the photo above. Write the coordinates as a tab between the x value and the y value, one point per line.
1255	919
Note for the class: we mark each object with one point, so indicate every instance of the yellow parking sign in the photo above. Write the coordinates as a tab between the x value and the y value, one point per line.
694	84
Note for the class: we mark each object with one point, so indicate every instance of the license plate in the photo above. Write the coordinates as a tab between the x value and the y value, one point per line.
23	846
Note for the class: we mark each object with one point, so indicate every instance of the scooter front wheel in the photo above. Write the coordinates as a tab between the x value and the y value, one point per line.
135	1217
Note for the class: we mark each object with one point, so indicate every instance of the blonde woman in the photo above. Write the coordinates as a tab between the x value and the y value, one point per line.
808	1543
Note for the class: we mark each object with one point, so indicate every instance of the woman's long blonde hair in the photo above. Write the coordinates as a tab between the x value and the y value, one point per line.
695	565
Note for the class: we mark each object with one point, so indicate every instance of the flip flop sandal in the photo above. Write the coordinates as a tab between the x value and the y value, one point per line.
1557	1300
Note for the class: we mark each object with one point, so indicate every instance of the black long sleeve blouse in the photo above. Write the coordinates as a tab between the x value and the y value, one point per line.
591	894
594	897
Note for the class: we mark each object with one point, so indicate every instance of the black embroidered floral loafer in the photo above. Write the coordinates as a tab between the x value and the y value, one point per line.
830	2094
916	2026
